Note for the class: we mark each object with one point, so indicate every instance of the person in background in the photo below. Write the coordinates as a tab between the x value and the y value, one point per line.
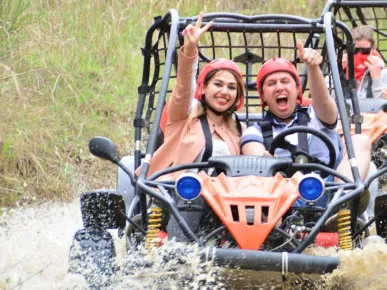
370	72
371	79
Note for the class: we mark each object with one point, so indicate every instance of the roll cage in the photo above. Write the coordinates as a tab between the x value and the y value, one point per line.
249	41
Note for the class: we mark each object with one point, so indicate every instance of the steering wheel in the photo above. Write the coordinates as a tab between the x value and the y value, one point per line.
280	142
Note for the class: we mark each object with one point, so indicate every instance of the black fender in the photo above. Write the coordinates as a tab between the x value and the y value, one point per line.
103	210
92	254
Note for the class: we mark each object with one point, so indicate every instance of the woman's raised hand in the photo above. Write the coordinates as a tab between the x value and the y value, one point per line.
192	35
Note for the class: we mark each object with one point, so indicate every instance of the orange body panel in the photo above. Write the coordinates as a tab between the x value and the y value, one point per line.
374	125
276	195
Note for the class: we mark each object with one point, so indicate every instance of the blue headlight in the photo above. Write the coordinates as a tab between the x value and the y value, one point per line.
311	188
189	186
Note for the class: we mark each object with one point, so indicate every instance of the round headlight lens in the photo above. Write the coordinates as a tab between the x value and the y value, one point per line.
189	186
311	188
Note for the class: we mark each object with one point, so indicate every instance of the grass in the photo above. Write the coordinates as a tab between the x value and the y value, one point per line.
69	71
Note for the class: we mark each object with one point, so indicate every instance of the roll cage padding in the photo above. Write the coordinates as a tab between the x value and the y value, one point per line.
250	165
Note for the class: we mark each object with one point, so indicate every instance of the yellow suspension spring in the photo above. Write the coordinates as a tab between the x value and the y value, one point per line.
344	229
154	227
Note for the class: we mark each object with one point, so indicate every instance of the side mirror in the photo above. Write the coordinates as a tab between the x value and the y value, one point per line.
103	148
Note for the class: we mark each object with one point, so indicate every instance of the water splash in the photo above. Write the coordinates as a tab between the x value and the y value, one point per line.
35	243
173	266
361	269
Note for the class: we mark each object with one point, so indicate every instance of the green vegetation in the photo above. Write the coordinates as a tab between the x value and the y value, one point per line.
69	71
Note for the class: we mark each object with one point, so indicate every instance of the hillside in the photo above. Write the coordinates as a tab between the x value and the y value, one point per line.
70	71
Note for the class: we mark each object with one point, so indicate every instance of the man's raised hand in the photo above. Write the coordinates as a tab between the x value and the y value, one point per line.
308	55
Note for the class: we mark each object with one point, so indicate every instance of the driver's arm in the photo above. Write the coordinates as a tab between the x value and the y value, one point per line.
322	103
253	148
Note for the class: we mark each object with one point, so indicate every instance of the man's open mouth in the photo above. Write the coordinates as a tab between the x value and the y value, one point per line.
282	101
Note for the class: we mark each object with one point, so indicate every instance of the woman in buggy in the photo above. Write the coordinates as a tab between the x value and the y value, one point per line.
279	88
209	129
195	132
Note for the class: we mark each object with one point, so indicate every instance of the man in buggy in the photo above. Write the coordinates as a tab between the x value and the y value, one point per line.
279	88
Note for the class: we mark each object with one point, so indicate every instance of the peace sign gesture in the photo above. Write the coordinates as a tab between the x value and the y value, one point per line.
192	35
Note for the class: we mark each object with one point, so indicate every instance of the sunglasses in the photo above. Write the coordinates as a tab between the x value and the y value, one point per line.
363	50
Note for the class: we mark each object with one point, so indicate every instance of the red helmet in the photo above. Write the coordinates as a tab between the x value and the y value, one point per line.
220	63
276	65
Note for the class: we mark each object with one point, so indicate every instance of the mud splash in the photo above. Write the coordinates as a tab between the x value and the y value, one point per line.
34	250
35	243
173	267
361	269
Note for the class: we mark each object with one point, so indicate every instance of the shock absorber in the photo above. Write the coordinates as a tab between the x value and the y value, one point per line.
344	229
154	227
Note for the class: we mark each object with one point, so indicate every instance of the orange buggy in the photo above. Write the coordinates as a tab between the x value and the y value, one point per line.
245	217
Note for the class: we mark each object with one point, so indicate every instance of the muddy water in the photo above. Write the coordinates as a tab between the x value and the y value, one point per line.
35	241
34	244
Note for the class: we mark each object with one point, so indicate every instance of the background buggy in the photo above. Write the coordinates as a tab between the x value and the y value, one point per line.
374	120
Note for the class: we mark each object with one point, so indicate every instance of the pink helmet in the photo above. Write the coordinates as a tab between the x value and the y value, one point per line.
220	63
276	65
